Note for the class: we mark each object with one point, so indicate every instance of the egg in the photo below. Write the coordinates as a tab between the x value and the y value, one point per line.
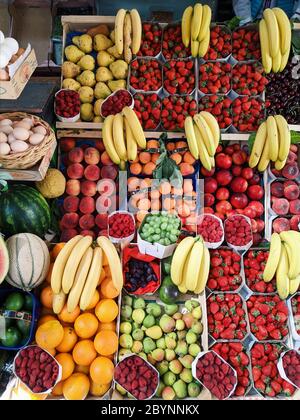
11	44
4	149
3	138
5	56
40	129
20	133
6	121
23	124
19	146
36	138
4	76
11	138
1	37
29	121
7	129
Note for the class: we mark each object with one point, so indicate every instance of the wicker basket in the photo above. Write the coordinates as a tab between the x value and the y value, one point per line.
34	154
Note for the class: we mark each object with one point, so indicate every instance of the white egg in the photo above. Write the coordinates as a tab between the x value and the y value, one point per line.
6	121
19	146
29	121
23	124
11	138
1	37
7	129
12	44
36	138
3	138
4	149
5	56
40	129
20	133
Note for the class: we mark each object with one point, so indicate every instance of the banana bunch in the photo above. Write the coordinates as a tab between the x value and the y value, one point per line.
272	143
190	265
77	271
128	33
122	134
203	136
195	28
275	35
284	262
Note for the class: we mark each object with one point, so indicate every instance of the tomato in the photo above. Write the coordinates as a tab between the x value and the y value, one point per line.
209	200
249	212
207	173
258	207
239	157
254	180
239	200
236	170
247	173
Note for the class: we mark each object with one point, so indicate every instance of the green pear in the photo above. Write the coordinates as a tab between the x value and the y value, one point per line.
154	332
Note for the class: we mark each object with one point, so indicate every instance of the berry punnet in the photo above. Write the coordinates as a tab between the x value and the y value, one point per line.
210	228
151	40
145	75
225	270
248	113
116	102
215	78
245	44
179	77
67	103
248	79
175	109
220	43
296	312
219	106
172	45
121	225
291	366
254	263
148	109
238	231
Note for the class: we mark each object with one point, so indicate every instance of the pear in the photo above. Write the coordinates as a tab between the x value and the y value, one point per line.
85	43
162	367
73	53
104	59
70	70
86	94
171	309
116	84
186	375
168	393
71	84
180	389
153	309
137	347
175	366
154	332
158	355
101	42
169	378
126	341
103	74
97	106
87	63
87	78
86	112
167	323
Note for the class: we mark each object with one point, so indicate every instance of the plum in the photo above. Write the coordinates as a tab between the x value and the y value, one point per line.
280	206
71	204
295	206
87	221
288	183
295	223
277	189
109	172
291	192
281	225
67	234
291	171
292	157
69	220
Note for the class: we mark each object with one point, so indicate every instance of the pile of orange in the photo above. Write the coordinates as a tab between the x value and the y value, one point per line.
180	154
145	162
83	342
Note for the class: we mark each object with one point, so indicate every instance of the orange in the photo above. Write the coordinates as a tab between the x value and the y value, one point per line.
180	144
144	204
82	369
187	186
154	194
86	325
176	157
107	271
57	248
84	352
136	168
186	169
69	340
48	278
102	276
51	351
46	318
106	310
177	191
94	301
98	390
133	183
165	188
67	363
58	389
149	168
106	326
155	205
46	297
168	204
146	183
102	370
106	343
76	387
108	289
155	157
49	335
152	144
68	317
145	157
189	158
170	146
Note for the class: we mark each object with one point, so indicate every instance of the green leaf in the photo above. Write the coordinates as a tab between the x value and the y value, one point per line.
233	23
296	42
251	141
295	137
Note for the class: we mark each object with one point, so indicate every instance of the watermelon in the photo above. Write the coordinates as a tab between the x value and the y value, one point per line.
23	209
4	260
29	261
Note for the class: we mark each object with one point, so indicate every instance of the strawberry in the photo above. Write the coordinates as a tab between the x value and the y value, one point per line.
146	75
171	121
148	110
178	78
172	45
215	78
151	40
246	45
219	106
220	43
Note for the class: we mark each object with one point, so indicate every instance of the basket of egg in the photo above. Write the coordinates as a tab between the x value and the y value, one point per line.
24	140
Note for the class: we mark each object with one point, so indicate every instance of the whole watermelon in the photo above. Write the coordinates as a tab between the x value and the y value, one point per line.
23	210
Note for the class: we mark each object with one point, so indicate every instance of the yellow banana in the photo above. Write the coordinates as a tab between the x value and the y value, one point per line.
284	30
206	160
73	262
280	164
284	60
272	138
273	31
206	134
273	259
136	30
190	136
182	289
194	48
92	279
284	137
196	21
294	284
258	146
59	300
118	136
108	140
60	263
130	142
205	23
186	25
192	266
282	280
212	123
127	38
113	260
264	45
276	62
204	44
264	160
178	261
204	271
80	278
292	241
135	126
119	27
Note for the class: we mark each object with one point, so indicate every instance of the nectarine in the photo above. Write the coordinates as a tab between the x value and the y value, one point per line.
73	187
75	171
88	188
76	155
92	156
87	205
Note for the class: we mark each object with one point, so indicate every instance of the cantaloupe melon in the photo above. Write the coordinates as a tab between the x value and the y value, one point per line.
29	261
4	260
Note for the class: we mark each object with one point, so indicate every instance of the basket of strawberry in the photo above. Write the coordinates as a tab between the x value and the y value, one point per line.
225	271
220	107
175	109
227	317
145	75
245	44
172	45
254	264
148	109
248	79
220	45
179	77
151	40
268	316
215	77
247	113
294	306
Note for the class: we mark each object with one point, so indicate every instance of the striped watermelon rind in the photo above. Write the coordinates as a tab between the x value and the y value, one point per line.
24	209
4	260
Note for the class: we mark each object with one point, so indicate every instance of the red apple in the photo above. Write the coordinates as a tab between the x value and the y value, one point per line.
222	194
210	185
239	200
224	177
255	192
239	185
223	161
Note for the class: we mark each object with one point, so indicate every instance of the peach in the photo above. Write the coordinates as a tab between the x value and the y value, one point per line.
101	220
106	186
277	189
86	232
291	192
186	169
136	168
87	205
176	157
92	172
291	171
67	234
295	207
75	171
106	160
280	206
69	220
99	145
76	155
91	156
87	221
187	186
165	188
149	168
281	225
73	187
88	188
155	205
66	144
109	172
133	183
295	223
71	204
103	204
103	232
154	157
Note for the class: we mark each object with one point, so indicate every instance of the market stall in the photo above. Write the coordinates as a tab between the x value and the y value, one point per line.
150	238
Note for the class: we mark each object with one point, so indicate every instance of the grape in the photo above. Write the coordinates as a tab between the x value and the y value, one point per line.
173	238
158	231
155	238
164	226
